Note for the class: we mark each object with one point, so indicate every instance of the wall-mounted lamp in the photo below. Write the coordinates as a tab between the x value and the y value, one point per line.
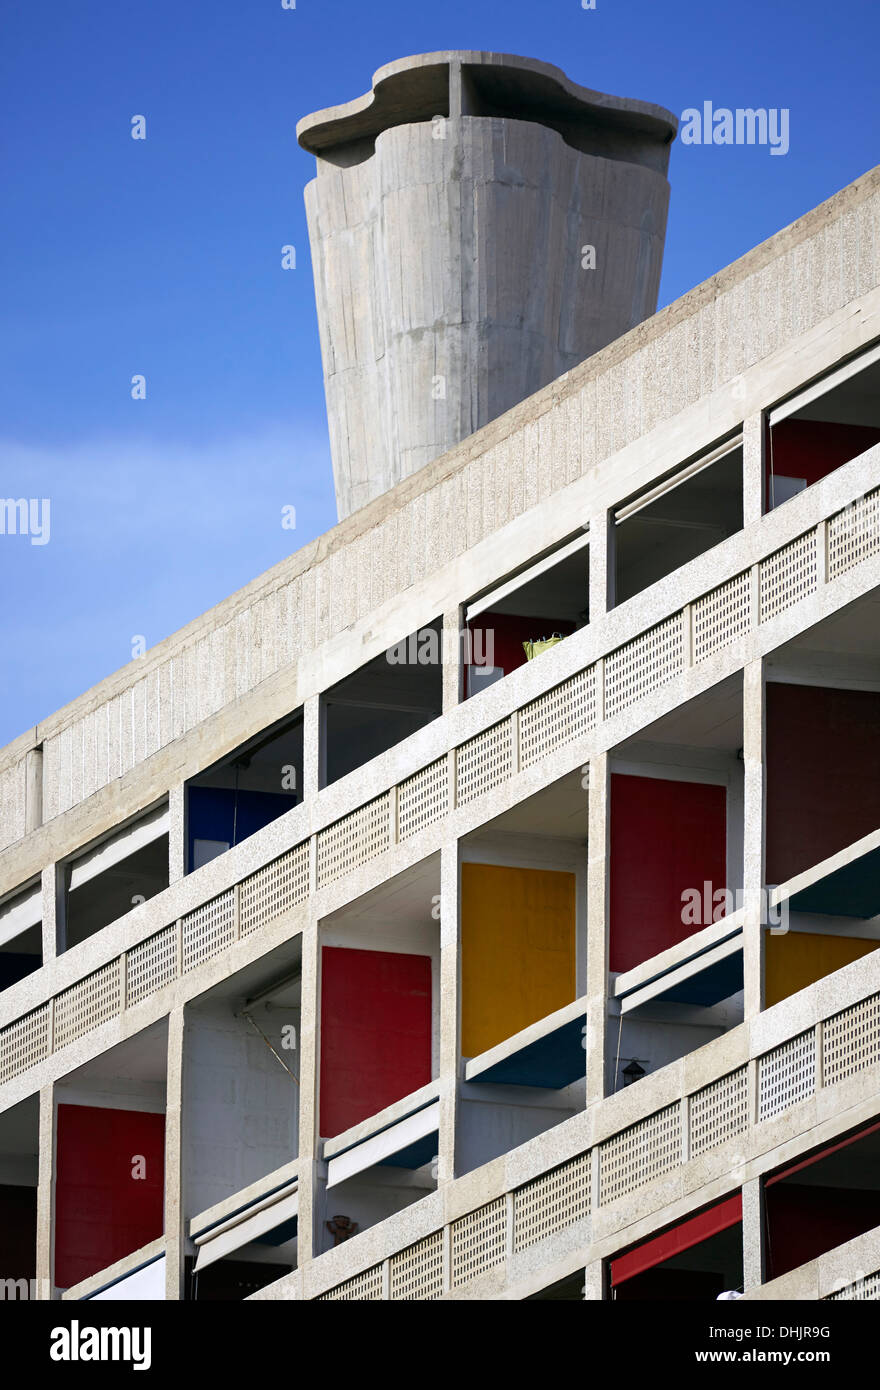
632	1072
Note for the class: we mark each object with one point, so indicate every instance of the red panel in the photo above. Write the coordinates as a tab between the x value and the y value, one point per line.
103	1211
812	449
804	1221
810	818
680	1238
501	636
375	1032
666	838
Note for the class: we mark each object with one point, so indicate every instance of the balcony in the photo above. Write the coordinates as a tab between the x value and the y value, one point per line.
717	1126
585	710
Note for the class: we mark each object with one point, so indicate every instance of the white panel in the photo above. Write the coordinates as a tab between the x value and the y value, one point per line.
782	488
481	677
246	1226
146	1285
206	850
17	916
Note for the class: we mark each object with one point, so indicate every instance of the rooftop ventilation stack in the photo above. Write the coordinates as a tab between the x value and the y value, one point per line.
479	224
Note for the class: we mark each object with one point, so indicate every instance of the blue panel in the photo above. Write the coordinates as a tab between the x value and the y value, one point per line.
709	986
553	1061
221	813
415	1155
210	814
279	1234
256	809
853	891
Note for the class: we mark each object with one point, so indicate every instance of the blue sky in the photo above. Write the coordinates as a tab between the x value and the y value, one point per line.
163	257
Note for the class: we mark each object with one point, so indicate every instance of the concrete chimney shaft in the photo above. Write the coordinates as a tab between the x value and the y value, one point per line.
479	224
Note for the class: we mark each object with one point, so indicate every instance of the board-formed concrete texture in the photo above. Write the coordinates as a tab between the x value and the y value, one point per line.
530	1169
479	224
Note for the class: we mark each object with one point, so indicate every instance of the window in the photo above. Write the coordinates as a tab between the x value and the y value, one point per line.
527	613
116	875
818	430
21	939
239	794
678	519
391	697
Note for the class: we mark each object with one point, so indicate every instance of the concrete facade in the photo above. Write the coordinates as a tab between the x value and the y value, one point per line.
150	1011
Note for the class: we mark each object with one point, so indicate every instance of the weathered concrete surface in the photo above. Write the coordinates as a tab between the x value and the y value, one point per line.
785	312
479	225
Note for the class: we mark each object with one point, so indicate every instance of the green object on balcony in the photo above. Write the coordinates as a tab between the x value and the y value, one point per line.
540	644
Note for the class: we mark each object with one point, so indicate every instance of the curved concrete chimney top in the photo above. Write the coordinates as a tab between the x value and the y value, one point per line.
479	224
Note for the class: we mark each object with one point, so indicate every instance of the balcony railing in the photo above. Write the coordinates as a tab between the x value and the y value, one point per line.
487	1238
561	716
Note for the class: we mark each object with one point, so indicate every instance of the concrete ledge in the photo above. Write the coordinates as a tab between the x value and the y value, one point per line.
407	90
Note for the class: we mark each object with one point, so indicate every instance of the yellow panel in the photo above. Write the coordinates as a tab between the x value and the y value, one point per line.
517	950
799	959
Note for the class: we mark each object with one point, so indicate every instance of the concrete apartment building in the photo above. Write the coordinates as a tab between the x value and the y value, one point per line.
365	940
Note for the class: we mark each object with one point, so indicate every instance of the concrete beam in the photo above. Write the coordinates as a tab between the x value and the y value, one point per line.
754	838
598	878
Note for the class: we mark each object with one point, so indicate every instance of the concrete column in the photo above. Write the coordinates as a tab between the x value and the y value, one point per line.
601	550
753	469
753	836
453	665
46	1196
54	902
33	796
177	832
597	926
314	766
752	1234
458	104
450	1009
310	1196
175	1205
594	1282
